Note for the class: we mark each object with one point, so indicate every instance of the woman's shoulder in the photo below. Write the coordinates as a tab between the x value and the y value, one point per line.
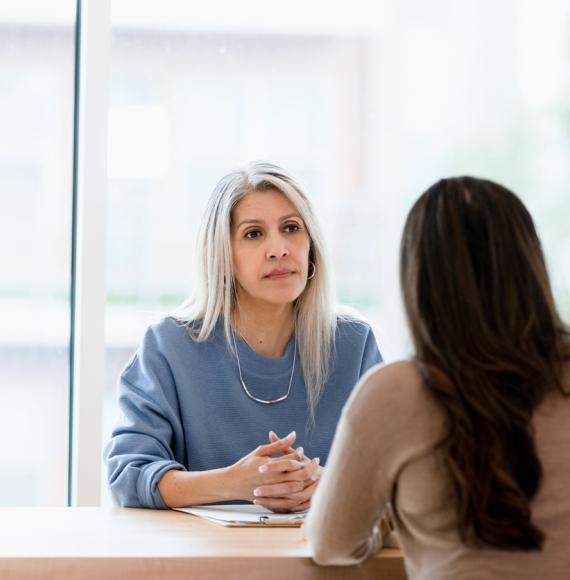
350	324
390	413
394	390
165	329
166	343
388	380
169	334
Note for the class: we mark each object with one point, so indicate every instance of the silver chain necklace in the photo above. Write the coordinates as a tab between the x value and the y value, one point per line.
246	390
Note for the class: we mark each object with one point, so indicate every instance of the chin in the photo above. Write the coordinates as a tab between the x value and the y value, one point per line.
280	301
282	298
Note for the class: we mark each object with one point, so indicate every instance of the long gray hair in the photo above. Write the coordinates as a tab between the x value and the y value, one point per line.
215	296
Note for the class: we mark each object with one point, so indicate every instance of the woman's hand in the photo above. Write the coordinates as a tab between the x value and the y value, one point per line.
184	488
300	453
257	470
249	473
294	494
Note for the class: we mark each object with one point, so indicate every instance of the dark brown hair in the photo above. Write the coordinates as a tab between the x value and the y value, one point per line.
486	330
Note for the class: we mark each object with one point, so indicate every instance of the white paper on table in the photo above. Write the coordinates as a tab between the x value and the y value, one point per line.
243	515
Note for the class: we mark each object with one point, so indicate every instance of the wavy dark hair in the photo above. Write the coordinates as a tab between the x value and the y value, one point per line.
487	333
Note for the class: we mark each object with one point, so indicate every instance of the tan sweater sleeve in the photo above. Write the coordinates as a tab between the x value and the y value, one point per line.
343	525
380	429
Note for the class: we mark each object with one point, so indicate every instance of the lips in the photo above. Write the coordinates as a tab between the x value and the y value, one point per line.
279	274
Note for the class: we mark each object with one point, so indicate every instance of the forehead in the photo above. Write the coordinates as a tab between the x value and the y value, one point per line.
263	205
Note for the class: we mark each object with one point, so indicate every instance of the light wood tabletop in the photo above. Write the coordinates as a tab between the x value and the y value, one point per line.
109	543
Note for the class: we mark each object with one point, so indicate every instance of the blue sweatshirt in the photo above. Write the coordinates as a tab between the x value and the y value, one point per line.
183	407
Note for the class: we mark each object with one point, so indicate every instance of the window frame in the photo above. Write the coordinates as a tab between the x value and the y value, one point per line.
88	288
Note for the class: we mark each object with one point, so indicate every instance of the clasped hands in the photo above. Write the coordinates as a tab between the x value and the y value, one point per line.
282	483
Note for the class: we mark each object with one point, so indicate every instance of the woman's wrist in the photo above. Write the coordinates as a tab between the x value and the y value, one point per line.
184	488
225	483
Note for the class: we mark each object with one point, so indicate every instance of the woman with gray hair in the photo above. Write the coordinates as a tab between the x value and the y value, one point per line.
258	349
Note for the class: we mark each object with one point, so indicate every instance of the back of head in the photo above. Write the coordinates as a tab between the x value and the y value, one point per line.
484	322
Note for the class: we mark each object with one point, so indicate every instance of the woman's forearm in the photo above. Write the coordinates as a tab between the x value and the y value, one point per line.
235	482
184	488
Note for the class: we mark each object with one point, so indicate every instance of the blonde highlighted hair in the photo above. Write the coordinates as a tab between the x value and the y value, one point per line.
215	296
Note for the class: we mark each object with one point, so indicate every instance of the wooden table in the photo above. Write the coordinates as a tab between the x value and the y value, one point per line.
104	544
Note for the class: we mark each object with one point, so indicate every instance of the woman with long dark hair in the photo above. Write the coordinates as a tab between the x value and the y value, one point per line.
467	447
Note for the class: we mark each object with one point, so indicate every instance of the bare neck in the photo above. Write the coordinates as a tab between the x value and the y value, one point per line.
267	328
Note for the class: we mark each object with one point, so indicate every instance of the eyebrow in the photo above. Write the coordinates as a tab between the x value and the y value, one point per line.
258	221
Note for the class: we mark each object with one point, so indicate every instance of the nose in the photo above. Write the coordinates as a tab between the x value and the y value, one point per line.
276	248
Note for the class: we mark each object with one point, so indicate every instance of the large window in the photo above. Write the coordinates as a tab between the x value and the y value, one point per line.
367	103
36	154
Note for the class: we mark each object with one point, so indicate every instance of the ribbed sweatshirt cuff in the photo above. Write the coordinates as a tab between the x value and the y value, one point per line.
147	484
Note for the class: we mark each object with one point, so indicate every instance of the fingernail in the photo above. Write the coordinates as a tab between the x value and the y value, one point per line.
263	468
300	451
317	460
255	502
272	433
291	435
256	491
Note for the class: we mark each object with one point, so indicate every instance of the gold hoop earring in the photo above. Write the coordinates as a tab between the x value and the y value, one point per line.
314	270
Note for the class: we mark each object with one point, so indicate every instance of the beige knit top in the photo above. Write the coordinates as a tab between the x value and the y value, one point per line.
383	440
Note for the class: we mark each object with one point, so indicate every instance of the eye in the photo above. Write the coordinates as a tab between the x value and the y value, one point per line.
292	228
252	234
